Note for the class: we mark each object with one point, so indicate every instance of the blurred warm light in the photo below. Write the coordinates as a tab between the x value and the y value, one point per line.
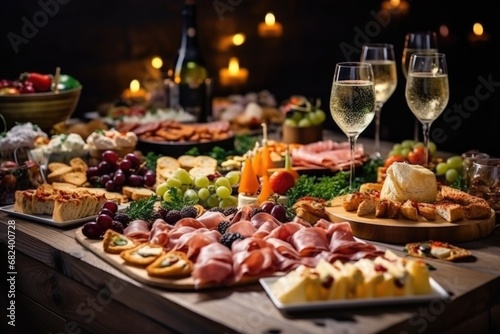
270	19
399	6
157	62
135	86
444	31
239	39
395	3
478	29
233	75
234	66
170	72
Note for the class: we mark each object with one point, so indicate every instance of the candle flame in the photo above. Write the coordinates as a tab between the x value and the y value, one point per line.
156	62
478	29
239	39
135	86
233	67
270	19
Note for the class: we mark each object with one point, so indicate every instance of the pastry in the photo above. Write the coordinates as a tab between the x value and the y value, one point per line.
173	264
143	254
114	242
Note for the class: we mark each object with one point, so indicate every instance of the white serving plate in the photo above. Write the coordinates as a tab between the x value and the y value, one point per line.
438	292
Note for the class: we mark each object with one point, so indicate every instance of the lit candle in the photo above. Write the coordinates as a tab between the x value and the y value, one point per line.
135	94
233	75
270	28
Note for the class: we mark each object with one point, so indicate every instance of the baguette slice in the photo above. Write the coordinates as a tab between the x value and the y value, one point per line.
450	211
135	193
409	210
367	207
427	210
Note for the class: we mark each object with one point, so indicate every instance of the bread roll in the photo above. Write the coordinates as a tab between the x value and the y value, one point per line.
406	181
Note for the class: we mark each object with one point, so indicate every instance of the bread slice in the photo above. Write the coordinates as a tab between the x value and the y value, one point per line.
352	201
370	187
409	210
367	207
56	175
382	209
477	210
53	166
450	211
187	161
76	178
427	210
137	193
394	209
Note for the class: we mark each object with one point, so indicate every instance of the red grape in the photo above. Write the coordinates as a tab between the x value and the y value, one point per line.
125	165
279	212
267	206
104	179
135	180
133	159
104	222
150	179
93	171
119	179
91	230
107	212
111	206
110	157
110	186
105	167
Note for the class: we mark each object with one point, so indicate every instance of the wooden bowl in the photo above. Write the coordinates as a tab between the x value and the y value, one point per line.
42	109
302	135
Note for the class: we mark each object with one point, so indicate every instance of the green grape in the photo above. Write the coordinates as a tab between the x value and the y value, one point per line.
432	148
162	188
222	182
442	168
304	123
183	176
213	201
174	182
397	147
418	144
451	175
316	117
223	192
166	195
233	177
191	195
233	200
201	181
203	193
407	143
394	152
405	151
455	162
225	203
290	122
296	116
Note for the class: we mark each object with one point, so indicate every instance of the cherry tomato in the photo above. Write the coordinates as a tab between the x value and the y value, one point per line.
394	158
417	156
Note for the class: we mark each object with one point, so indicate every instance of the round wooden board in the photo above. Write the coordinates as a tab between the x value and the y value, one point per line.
401	231
140	274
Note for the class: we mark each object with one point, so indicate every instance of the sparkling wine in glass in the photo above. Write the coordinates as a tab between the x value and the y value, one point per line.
381	57
427	90
421	42
352	102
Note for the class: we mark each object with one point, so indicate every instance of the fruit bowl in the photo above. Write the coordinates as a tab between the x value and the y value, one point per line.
42	109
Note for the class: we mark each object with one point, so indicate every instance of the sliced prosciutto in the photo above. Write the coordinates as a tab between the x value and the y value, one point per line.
191	243
287	256
342	242
159	232
327	153
253	257
310	241
214	266
285	231
211	219
243	227
138	230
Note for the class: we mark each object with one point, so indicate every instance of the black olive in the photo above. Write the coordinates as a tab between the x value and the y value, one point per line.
425	248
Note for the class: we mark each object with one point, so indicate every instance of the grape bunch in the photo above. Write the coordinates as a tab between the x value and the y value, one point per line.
114	172
275	209
215	190
410	151
105	220
451	168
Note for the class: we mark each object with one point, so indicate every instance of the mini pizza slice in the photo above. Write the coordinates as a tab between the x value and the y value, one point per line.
174	264
142	255
114	242
436	250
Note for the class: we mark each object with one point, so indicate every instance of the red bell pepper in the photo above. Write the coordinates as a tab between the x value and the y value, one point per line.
41	82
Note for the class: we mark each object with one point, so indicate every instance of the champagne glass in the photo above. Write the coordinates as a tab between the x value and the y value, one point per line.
381	57
422	42
352	102
427	90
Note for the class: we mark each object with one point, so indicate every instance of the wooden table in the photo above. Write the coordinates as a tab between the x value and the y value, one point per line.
62	287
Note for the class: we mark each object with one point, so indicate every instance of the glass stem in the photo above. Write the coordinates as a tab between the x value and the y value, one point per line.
378	110
415	131
352	143
426	126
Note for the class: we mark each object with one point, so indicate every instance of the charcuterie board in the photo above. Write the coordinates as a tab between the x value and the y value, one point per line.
401	231
140	274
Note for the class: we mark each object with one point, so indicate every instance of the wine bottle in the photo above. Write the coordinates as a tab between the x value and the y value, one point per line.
190	73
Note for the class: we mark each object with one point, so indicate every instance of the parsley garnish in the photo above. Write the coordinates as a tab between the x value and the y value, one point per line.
142	208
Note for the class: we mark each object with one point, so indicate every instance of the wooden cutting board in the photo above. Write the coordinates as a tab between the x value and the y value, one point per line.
140	274
401	231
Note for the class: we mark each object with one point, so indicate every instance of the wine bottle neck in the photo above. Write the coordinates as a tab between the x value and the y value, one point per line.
189	49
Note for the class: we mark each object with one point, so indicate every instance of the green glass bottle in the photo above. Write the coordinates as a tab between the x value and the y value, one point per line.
190	73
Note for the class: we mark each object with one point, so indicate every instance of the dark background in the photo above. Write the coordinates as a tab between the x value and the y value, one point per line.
106	44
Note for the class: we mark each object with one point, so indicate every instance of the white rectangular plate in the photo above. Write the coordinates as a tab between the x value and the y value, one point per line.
438	292
46	219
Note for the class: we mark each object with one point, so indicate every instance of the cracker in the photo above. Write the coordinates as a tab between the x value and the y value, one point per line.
429	249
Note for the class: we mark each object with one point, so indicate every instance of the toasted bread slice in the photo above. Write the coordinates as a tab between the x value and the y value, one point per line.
394	209
187	161
115	243
57	175
477	210
79	165
366	207
137	193
370	187
427	210
382	209
76	178
450	211
409	210
352	201
167	162
53	166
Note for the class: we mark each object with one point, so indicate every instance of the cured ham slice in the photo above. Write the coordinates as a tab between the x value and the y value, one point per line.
211	219
265	229
243	227
310	241
214	265
190	222
263	217
287	257
285	231
159	233
191	243
138	230
342	242
327	153
176	233
253	257
242	214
